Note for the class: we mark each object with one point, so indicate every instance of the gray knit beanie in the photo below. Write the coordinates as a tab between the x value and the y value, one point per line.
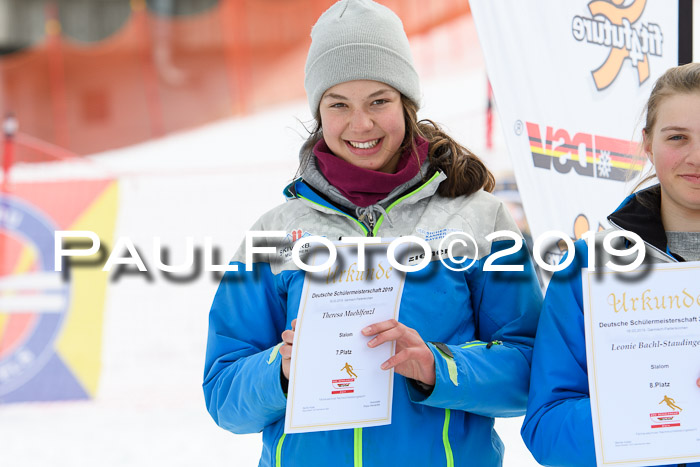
359	39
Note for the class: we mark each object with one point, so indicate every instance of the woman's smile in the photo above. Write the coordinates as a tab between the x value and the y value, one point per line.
363	124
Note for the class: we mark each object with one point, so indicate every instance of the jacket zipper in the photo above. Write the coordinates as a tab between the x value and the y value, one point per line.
357	221
370	227
397	201
368	221
358	447
370	231
278	451
449	458
445	438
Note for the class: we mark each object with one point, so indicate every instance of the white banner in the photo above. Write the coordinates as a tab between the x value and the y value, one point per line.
570	79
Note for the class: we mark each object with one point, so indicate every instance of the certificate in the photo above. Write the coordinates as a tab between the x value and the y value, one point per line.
643	355
335	379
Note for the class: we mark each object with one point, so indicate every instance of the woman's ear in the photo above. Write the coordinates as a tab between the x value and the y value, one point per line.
646	144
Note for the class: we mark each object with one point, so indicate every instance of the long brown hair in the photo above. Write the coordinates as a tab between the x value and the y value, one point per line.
466	173
684	79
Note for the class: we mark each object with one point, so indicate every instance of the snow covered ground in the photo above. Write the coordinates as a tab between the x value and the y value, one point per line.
214	181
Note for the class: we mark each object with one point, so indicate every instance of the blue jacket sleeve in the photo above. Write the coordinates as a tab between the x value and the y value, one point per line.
242	385
490	377
558	427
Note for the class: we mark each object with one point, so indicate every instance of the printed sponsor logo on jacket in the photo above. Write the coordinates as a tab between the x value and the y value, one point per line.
437	234
284	252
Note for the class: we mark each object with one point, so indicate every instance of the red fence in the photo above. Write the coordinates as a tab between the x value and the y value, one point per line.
162	74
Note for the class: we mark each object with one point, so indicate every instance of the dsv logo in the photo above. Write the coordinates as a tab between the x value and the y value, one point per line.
588	155
614	25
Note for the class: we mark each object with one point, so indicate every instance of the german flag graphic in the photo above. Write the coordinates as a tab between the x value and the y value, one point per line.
586	154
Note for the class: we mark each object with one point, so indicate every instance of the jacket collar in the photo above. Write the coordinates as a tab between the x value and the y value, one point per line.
313	177
416	188
640	213
314	187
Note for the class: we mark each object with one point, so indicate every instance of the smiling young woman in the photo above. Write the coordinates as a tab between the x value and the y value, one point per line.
558	427
370	168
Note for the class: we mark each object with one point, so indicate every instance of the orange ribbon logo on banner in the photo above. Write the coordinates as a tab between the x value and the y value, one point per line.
609	70
611	25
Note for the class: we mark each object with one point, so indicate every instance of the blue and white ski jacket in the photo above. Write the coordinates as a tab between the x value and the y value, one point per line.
558	427
480	327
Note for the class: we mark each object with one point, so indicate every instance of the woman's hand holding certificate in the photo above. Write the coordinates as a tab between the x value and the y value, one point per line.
413	358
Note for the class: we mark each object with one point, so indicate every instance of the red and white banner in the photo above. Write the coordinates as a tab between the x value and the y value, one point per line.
570	81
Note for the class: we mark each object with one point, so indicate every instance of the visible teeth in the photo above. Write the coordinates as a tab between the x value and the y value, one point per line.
365	145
